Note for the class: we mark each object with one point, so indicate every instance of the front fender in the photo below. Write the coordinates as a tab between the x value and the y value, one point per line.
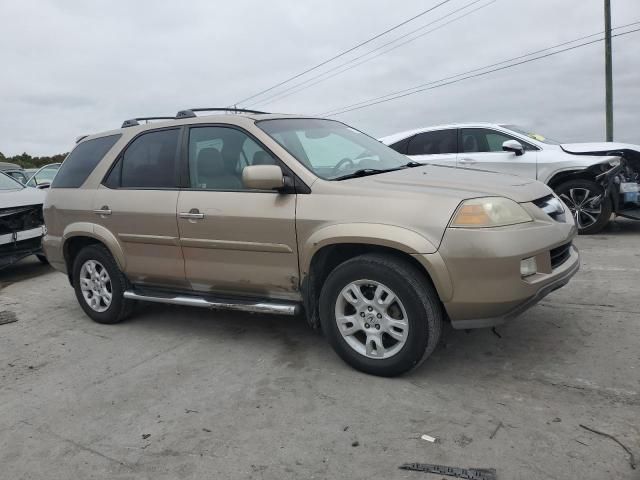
391	236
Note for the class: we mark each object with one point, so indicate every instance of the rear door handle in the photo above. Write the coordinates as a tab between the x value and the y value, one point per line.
193	214
467	161
103	211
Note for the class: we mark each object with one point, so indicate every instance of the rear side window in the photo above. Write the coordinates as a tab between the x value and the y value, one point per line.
150	161
82	160
433	143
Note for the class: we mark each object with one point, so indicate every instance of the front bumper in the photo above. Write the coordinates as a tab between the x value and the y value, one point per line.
18	245
484	270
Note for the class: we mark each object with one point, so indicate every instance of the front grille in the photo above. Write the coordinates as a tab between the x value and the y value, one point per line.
560	254
16	219
552	207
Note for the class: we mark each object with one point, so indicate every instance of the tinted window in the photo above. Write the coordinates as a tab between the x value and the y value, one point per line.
149	161
401	146
217	156
82	160
432	143
486	140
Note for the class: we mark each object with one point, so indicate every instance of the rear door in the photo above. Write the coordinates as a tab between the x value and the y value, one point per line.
438	147
137	204
235	240
481	148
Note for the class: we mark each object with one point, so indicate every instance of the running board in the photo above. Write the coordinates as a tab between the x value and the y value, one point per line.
276	307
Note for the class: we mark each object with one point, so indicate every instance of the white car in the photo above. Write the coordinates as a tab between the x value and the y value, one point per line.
593	179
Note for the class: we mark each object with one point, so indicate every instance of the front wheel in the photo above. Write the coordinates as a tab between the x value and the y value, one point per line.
589	207
380	314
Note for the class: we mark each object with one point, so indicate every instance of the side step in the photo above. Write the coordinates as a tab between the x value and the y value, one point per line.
277	307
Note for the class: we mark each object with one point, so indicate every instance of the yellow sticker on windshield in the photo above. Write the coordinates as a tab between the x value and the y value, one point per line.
536	136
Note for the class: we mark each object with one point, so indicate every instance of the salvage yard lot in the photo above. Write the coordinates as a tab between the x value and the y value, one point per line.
187	393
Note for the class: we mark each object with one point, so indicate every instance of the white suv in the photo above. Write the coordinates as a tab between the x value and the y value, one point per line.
573	171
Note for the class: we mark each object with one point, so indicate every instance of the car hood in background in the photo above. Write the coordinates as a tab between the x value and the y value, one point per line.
598	148
21	197
462	183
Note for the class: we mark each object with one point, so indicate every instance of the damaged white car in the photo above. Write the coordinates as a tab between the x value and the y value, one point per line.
21	222
594	180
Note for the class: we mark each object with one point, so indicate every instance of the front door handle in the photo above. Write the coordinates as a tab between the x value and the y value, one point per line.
104	210
467	161
193	214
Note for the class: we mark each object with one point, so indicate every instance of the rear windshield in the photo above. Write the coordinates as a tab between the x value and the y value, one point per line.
82	160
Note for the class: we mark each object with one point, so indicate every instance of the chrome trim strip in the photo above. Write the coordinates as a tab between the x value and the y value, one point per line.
275	307
236	245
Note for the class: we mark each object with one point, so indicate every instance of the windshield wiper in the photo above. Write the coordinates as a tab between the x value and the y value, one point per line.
363	172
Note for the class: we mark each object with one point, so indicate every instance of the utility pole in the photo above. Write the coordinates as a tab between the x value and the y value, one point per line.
608	69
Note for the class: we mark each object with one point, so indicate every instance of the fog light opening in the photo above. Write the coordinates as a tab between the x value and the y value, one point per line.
528	267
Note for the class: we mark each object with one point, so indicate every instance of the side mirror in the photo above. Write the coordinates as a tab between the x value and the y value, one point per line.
263	177
513	146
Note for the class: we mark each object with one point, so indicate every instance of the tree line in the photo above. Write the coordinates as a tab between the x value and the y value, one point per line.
27	161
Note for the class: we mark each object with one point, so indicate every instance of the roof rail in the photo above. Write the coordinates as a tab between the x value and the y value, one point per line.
190	112
135	121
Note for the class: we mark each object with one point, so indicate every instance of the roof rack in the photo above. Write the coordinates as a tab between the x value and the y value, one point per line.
135	121
190	112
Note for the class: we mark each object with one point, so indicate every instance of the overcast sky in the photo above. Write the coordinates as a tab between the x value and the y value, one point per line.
73	67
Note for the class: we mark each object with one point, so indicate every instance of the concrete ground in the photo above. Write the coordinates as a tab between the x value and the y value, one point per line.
186	393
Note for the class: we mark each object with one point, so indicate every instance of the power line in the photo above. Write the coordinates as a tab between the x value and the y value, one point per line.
489	66
288	91
399	94
424	12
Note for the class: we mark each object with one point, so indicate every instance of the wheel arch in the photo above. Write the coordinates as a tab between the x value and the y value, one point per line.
326	253
76	236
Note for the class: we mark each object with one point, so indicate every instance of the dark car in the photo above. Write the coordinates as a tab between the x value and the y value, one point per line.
21	223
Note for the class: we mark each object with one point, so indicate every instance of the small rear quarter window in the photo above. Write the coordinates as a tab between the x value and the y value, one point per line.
82	160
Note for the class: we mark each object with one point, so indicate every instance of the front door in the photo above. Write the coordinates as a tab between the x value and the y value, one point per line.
137	205
481	148
235	240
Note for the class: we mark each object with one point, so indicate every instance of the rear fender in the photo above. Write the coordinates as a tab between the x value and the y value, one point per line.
98	232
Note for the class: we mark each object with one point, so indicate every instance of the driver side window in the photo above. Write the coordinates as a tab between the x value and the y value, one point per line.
478	140
218	155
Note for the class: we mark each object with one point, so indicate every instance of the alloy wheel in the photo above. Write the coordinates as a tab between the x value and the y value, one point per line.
371	319
95	285
585	205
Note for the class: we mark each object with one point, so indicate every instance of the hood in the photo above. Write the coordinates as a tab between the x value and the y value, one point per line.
460	183
21	197
598	148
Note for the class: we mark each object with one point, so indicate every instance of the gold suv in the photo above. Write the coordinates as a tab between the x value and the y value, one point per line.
283	214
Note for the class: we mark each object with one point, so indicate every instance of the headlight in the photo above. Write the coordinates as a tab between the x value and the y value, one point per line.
489	212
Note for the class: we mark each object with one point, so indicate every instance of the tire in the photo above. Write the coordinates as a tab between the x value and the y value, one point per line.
572	192
417	305
100	259
43	259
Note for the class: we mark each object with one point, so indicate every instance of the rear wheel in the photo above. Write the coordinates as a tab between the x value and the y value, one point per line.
100	285
380	314
589	207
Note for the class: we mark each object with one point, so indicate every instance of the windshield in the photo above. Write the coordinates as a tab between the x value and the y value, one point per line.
330	149
530	134
8	183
